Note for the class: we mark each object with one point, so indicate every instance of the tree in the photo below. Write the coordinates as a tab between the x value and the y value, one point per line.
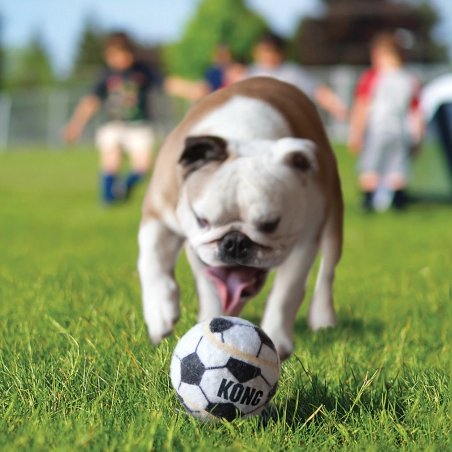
88	61
30	66
342	34
220	21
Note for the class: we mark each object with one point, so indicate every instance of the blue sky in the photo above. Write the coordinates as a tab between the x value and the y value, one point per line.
149	20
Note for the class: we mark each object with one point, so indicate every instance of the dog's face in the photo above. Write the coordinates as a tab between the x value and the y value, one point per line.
244	206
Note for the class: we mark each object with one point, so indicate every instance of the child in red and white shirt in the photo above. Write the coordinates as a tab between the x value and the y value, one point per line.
385	121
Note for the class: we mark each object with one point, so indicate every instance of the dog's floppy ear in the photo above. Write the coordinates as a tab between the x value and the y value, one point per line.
200	150
298	153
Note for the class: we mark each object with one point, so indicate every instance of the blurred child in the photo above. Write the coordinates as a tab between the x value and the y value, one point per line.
215	77
385	121
123	89
269	60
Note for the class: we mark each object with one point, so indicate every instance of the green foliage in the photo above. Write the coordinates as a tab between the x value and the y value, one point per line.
77	370
29	66
433	50
89	59
220	21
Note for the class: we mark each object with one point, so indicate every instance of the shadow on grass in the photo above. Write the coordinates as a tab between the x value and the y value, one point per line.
430	198
345	397
347	328
356	393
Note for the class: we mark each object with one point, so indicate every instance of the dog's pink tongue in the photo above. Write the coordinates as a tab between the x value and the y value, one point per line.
231	283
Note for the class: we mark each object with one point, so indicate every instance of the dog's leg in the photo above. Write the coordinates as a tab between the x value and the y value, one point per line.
158	251
321	311
209	302
287	295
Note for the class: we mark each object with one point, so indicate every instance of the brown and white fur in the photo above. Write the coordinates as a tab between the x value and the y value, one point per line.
248	182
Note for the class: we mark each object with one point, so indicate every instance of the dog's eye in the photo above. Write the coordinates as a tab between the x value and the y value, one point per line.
268	226
202	222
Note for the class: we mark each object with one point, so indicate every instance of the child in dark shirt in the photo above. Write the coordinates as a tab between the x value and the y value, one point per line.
123	89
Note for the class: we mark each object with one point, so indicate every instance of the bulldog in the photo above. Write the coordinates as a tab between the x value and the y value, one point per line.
249	183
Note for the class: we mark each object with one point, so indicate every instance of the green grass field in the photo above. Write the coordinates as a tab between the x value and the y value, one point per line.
78	372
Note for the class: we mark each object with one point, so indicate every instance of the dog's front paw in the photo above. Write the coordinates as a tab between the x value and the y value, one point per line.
284	350
161	311
320	317
283	342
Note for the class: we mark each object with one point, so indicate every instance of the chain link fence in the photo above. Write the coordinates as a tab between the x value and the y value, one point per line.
36	118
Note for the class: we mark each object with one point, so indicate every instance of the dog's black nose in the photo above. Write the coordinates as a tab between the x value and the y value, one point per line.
235	246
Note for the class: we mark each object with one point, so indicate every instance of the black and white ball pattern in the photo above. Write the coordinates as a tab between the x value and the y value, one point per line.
225	367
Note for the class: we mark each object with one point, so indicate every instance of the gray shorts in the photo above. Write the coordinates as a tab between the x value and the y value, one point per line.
385	153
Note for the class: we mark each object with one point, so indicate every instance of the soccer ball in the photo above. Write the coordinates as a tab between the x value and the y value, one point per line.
225	367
